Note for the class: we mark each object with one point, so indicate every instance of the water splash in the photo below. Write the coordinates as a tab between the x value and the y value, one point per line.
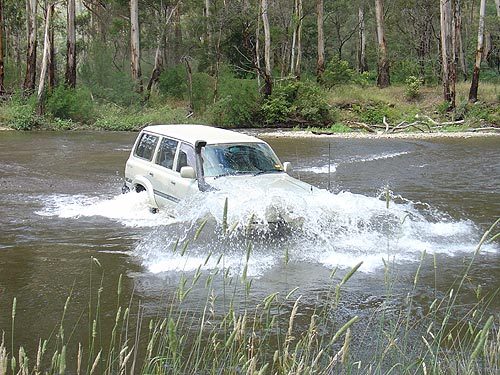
337	229
333	166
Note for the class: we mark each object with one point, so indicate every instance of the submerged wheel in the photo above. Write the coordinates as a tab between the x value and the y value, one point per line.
139	188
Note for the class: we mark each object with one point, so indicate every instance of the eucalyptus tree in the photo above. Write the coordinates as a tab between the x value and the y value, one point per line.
31	20
135	47
320	62
268	81
447	52
70	76
383	78
361	63
2	71
45	59
479	53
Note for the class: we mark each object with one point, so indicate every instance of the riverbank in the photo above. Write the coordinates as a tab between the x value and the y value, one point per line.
413	135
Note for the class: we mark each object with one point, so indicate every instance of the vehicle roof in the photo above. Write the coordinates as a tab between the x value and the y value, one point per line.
192	133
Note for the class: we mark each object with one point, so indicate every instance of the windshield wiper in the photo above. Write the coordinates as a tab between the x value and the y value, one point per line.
231	174
267	171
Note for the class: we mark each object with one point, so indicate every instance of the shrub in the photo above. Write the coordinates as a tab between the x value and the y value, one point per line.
172	82
203	91
238	104
336	72
412	89
70	104
296	102
19	114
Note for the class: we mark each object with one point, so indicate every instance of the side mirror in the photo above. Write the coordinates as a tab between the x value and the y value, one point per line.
188	172
287	166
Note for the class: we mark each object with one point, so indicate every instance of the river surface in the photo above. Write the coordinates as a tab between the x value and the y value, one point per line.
60	206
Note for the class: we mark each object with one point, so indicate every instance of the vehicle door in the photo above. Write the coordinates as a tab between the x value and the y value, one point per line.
163	176
140	163
185	187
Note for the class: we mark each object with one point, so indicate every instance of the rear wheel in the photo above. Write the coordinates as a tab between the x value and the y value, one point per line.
139	188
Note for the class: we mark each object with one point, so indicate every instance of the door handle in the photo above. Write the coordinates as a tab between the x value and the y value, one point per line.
151	174
172	182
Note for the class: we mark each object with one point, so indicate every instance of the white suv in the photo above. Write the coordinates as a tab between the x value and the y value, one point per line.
173	162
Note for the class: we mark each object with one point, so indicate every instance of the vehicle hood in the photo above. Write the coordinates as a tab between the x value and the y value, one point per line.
277	183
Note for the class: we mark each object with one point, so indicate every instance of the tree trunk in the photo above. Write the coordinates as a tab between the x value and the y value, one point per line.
135	55
268	84
497	4
40	109
52	52
2	71
30	77
70	76
190	86
257	48
479	52
459	40
320	65
362	65
447	52
383	78
296	56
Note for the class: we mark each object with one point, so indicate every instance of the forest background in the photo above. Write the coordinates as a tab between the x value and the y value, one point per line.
343	64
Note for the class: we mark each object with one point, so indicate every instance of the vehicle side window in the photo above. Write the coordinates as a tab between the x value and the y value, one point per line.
166	153
146	146
186	157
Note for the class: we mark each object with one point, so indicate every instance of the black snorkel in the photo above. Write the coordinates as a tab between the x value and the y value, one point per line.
202	184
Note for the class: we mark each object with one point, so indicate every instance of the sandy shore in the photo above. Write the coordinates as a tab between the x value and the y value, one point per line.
309	134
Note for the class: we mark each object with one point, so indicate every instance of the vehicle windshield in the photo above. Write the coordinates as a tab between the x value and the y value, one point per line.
232	159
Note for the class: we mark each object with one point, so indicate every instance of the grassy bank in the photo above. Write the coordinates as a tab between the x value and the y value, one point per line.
280	334
292	104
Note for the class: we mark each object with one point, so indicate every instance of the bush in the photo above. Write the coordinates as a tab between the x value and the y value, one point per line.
337	72
70	104
19	113
412	90
238	104
203	91
296	102
172	82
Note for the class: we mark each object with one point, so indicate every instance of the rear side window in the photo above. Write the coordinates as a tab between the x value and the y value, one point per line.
166	153
186	157
146	146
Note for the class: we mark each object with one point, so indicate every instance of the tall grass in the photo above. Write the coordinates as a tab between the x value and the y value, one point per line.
280	334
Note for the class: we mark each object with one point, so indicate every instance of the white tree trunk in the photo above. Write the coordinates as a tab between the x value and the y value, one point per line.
267	49
362	65
479	52
320	65
383	79
135	54
45	62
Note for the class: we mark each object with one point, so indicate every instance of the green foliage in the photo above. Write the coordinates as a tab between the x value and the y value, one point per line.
203	91
111	117
70	104
105	81
337	72
412	89
296	101
238	102
19	113
172	82
374	112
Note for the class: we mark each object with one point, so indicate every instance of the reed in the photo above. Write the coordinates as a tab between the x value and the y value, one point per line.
279	334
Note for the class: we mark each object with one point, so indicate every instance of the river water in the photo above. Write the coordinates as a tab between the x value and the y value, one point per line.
60	206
